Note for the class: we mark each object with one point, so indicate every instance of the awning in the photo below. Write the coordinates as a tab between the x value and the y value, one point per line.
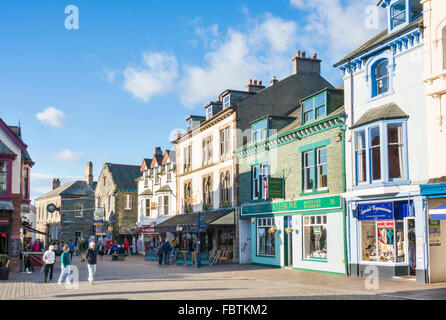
6	205
187	222
34	230
438	213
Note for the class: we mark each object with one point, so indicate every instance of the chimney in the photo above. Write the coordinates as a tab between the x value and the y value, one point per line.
303	64
157	152
273	82
254	87
89	173
56	183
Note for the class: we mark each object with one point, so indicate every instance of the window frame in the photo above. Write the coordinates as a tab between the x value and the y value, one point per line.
265	223
77	210
128	202
226	101
8	193
323	223
315	106
314	149
385	180
261	190
259	130
370	76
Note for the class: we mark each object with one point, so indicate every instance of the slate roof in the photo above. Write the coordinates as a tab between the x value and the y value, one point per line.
147	162
148	192
18	133
187	220
387	111
124	176
158	158
379	40
172	155
76	188
4	149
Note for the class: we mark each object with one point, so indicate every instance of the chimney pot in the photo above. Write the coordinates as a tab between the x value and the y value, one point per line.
303	54
260	82
298	53
250	81
255	82
315	55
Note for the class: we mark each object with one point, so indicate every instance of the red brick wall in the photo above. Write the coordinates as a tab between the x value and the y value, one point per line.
15	228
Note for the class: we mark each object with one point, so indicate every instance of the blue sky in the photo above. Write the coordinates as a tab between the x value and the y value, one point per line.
118	86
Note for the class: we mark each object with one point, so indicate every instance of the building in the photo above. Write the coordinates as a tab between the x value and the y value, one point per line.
15	168
116	193
156	193
75	202
207	170
290	185
435	79
29	225
386	148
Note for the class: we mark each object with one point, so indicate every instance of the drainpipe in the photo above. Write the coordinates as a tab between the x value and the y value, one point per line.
345	207
352	113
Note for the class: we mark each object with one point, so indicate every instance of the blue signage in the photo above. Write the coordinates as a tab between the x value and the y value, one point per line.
376	211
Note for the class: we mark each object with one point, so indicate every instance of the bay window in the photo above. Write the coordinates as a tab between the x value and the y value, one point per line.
4	176
381	153
265	239
260	174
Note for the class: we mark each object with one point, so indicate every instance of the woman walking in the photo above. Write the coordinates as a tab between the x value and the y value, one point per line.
65	265
49	257
101	251
91	257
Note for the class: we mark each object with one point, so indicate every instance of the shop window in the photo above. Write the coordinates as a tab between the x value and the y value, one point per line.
260	174
315	237
4	172
265	238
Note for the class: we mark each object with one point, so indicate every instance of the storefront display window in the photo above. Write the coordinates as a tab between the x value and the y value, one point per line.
368	240
315	237
265	238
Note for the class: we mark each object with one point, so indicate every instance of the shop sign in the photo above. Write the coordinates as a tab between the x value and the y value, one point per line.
275	187
152	205
147	230
385	224
294	206
434	233
4	221
179	229
376	211
99	214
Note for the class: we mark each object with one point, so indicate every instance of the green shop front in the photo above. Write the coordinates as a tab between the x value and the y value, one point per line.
301	234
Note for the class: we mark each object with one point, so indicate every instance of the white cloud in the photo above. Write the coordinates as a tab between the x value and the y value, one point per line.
258	53
70	156
109	75
156	76
52	117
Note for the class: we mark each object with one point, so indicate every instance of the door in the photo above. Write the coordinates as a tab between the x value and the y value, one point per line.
288	243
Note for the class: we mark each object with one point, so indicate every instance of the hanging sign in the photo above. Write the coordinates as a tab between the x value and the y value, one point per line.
275	187
376	211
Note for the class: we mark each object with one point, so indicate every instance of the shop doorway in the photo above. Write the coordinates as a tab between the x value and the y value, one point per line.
288	243
411	246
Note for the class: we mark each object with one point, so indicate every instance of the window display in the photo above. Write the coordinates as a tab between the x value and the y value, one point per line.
315	237
265	238
368	241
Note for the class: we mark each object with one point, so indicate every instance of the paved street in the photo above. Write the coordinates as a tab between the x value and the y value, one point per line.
138	279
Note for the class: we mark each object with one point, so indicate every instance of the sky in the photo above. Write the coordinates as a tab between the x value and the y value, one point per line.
109	80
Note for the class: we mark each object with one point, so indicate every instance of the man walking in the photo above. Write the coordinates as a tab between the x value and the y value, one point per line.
159	252
49	257
166	251
71	245
82	248
91	256
65	265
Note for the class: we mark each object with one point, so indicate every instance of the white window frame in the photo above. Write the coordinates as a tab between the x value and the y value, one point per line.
128	202
81	210
316	224
261	170
262	223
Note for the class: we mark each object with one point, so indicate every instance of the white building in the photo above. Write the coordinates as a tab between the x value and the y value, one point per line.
156	193
386	149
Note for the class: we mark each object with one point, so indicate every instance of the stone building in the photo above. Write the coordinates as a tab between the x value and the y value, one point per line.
74	218
117	193
15	167
290	185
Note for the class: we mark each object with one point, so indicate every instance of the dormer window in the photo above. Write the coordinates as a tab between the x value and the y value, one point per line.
226	102
208	113
398	14
259	130
315	107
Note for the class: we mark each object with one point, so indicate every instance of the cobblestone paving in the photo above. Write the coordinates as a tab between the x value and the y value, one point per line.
138	279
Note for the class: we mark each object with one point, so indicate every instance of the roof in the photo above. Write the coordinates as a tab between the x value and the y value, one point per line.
378	40
148	192
4	149
145	164
165	188
188	220
76	188
387	111
124	176
171	155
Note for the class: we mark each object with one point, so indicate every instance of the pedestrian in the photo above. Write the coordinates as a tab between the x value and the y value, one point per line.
49	257
101	251
91	256
71	245
65	265
82	248
126	247
159	253
166	252
174	246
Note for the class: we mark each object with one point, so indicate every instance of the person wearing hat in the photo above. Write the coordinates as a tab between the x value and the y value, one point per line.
49	257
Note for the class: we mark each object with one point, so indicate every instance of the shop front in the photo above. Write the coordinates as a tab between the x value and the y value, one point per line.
217	231
146	235
302	234
435	202
387	238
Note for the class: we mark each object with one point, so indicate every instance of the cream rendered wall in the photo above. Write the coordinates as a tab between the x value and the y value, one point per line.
197	154
16	164
438	254
435	79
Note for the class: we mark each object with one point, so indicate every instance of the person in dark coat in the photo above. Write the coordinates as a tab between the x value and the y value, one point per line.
91	258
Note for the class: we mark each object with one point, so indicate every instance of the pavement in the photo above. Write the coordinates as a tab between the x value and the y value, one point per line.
136	279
